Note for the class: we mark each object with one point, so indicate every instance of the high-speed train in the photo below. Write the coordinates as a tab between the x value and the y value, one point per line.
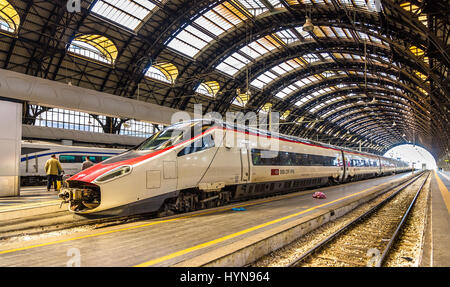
200	164
35	154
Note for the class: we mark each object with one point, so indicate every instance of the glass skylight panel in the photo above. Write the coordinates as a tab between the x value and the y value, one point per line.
347	56
94	47
190	41
253	50
363	36
282	68
340	32
237	61
227	69
284	92
316	93
328	74
232	64
296	63
287	36
368	4
275	3
375	39
257	83
128	13
263	80
317	107
326	56
259	47
310	58
304	34
268	77
303	101
214	25
255	7
327	31
5	26
306	81
199	38
286	67
318	32
155	73
217	21
183	47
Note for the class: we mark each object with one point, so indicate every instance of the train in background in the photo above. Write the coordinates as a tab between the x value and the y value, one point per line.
34	155
174	171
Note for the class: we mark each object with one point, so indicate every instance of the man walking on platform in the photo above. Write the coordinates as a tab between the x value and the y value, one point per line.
52	168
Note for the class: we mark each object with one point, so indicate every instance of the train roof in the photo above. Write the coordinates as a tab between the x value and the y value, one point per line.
267	133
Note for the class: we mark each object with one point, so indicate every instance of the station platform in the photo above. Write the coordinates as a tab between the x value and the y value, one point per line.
32	201
189	239
437	243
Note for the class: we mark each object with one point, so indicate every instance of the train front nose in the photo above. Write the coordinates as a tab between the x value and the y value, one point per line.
81	196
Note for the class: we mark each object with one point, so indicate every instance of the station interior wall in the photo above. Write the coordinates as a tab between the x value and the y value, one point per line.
10	141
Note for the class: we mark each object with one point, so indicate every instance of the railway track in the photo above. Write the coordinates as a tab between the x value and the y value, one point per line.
368	239
64	221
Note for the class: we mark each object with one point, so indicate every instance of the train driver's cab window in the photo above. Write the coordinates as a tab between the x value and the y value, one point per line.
203	143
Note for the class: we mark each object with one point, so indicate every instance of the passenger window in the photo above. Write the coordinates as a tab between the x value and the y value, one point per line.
70	159
201	144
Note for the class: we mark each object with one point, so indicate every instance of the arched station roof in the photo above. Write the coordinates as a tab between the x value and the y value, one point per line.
368	74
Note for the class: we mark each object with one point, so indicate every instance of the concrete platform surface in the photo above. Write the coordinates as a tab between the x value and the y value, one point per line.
29	197
168	241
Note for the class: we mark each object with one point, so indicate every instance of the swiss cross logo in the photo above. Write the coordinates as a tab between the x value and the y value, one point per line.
274	172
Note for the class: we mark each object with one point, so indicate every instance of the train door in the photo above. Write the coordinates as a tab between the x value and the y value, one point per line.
343	167
380	172
193	161
245	163
169	178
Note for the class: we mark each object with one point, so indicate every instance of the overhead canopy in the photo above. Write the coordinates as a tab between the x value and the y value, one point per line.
365	75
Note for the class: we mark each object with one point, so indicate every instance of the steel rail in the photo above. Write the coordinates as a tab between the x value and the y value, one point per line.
333	236
394	237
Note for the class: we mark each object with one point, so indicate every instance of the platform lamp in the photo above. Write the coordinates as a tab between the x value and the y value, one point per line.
308	26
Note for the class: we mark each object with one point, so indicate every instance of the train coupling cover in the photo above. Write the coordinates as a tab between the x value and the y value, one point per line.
80	199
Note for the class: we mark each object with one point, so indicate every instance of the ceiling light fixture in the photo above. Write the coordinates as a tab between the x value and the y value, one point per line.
308	26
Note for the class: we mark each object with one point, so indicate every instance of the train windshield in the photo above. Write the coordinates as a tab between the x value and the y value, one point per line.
173	135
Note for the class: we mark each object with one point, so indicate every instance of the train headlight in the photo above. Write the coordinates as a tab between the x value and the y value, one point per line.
114	174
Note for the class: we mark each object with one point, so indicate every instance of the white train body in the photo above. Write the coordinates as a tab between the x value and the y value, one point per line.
220	164
35	154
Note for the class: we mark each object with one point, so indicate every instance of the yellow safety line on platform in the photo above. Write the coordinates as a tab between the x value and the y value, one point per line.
168	220
444	191
206	244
